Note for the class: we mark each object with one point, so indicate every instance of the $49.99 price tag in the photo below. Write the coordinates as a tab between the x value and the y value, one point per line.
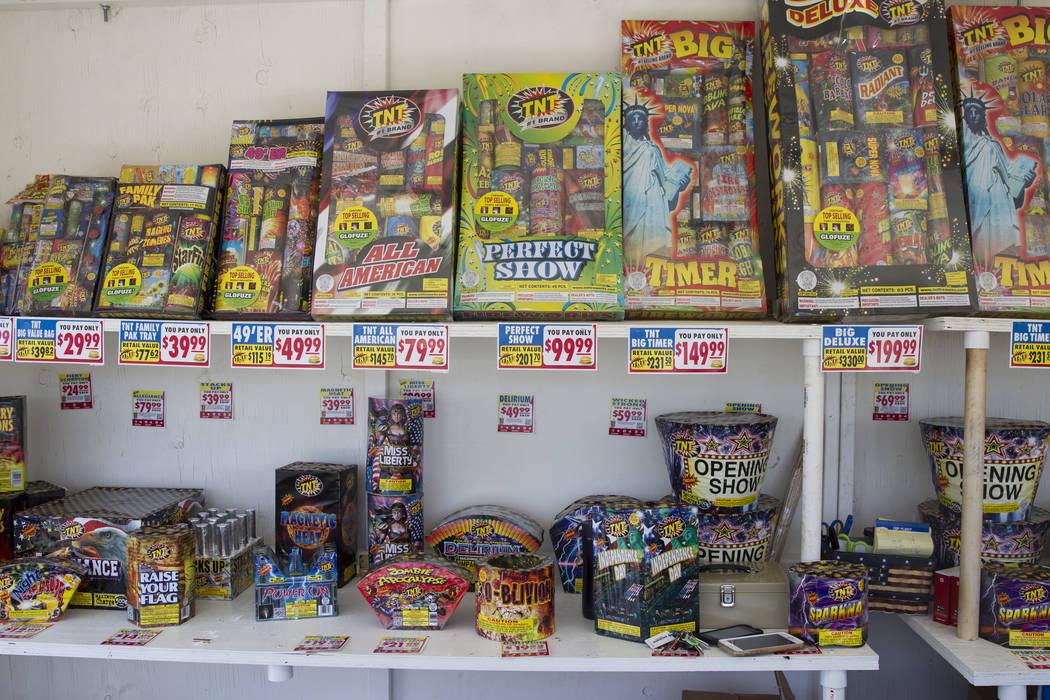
217	400
287	345
547	346
627	417
74	390
1030	344
515	414
891	401
662	350
337	406
871	348
56	340
147	408
399	346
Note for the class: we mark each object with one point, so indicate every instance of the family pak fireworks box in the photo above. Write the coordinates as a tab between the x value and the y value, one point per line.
316	504
93	525
868	207
1001	63
160	259
690	220
540	230
385	229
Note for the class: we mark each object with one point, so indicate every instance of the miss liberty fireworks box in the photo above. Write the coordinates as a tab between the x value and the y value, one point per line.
868	207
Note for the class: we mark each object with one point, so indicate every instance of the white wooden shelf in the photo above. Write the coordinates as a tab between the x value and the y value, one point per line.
964	323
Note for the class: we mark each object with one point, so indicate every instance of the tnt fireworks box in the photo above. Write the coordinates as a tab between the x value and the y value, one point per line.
316	504
12	443
93	527
540	230
285	590
269	218
225	578
690	220
387	219
38	492
868	207
160	259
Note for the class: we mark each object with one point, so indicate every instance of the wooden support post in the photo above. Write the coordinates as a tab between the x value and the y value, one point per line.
976	343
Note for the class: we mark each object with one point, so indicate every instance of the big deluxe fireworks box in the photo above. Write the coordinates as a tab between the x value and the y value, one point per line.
160	259
93	527
540	230
868	207
690	220
385	229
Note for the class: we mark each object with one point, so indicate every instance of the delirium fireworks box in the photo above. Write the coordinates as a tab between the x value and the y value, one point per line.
690	220
868	208
316	504
12	443
1001	64
385	229
160	259
540	230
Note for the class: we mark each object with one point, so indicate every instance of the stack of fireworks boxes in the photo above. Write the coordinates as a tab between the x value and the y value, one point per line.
868	208
225	540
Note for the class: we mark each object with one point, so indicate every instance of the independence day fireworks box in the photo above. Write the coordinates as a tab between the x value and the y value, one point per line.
868	208
690	221
540	231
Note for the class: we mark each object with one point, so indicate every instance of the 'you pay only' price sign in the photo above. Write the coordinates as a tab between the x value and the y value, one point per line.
871	348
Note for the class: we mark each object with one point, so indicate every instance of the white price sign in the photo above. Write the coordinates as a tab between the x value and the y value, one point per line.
574	346
894	347
147	408
74	390
627	417
701	350
515	413
185	344
7	338
421	347
298	345
217	400
78	341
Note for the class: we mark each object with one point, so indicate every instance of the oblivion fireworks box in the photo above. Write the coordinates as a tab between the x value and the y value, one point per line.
160	259
12	443
1015	605
540	231
316	504
269	218
385	229
286	590
868	206
93	525
690	222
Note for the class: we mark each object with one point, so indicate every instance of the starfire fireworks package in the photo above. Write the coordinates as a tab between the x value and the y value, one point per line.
385	231
540	226
160	260
690	222
270	213
12	443
1015	605
868	206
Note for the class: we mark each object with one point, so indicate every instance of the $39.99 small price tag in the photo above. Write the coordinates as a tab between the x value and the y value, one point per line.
891	401
337	406
147	408
74	390
515	413
217	400
627	417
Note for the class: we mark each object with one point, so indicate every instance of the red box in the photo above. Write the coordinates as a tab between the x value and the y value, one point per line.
946	596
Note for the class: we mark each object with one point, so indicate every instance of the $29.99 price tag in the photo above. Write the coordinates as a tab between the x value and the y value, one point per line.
627	417
337	406
147	408
514	413
287	345
7	338
871	348
74	390
217	400
57	340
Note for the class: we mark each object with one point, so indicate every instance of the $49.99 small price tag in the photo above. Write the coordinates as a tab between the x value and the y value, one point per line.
337	406
515	413
147	408
891	401
217	400
627	417
74	390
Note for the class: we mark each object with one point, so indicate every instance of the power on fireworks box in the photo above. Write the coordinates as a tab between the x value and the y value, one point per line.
540	230
868	207
387	217
93	525
690	220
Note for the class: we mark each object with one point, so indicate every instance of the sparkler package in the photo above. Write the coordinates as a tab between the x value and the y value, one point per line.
868	206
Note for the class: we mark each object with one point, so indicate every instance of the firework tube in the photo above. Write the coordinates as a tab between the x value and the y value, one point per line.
829	80
800	66
742	249
908	188
545	206
515	598
716	89
923	97
1000	71
585	201
871	206
435	152
392	169
274	216
712	240
416	162
908	228
736	105
828	603
394	465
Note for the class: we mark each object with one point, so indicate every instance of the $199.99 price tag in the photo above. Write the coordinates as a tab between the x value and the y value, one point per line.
515	413
871	348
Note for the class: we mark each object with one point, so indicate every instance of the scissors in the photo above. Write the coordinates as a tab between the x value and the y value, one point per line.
836	534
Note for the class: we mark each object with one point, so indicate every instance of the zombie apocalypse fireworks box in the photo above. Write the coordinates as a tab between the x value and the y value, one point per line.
317	505
540	230
868	206
160	259
1001	64
385	229
269	217
92	526
690	221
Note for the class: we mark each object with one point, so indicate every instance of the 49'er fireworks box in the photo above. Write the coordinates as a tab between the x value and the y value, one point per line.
868	208
93	525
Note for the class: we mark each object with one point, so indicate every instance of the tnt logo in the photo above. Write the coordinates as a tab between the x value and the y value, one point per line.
616	527
869	64
158	552
481	529
6	582
1033	594
72	530
325	567
308	485
844	591
905	141
540	107
648	47
389	116
413	592
980	33
671	528
684	446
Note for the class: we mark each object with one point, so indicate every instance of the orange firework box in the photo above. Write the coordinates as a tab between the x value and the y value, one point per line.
161	576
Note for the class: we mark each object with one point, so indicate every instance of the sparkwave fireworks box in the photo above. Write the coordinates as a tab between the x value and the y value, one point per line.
868	207
385	229
540	232
690	231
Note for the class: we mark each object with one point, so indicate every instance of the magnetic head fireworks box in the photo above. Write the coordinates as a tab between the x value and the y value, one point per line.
18	241
12	443
690	220
295	588
269	218
160	259
1001	55
317	505
645	569
59	268
540	230
93	525
385	228
868	207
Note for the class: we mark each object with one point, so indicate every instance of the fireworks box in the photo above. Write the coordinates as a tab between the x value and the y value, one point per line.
12	443
540	233
225	578
690	221
160	259
385	229
19	240
38	492
93	527
645	570
270	214
316	504
284	590
868	206
10	503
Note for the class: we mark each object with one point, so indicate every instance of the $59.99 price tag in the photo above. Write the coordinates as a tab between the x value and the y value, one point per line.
627	417
178	344
74	390
217	400
663	350
871	348
337	406
515	414
1030	344
147	408
55	340
891	401
287	345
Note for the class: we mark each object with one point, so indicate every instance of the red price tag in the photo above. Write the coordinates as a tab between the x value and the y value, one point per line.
23	630
627	417
7	338
509	649
337	406
217	400
701	350
515	413
74	390
400	645
298	345
424	390
891	401
422	347
314	643
132	637
147	408
78	341
185	344
894	347
570	346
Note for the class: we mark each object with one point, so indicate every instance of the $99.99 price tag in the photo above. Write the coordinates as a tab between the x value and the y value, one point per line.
515	414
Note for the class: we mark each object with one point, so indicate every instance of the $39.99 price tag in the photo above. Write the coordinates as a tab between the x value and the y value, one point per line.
871	348
547	346
337	406
74	390
515	413
177	344
147	408
627	417
217	400
1030	344
55	340
891	401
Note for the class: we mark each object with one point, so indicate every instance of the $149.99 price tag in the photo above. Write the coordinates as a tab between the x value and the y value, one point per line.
217	400
891	401
662	350
74	390
627	417
147	408
515	414
871	348
337	406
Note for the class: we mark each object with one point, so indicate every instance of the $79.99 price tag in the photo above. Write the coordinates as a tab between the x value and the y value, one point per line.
147	408
871	348
422	347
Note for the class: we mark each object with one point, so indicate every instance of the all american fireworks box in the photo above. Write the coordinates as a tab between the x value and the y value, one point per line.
540	230
385	228
1001	63
868	208
92	526
690	220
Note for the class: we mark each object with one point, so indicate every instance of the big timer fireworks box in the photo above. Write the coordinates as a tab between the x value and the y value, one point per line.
690	221
868	208
539	225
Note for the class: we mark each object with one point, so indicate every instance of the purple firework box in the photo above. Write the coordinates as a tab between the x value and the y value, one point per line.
1018	541
395	526
1015	605
828	603
395	446
737	538
567	535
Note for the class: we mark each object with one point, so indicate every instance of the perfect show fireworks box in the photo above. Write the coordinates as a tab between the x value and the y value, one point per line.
539	227
868	208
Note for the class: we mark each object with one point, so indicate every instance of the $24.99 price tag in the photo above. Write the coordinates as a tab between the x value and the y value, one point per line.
871	348
337	406
74	390
891	401
147	408
627	417
55	340
217	400
292	346
662	350
515	413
